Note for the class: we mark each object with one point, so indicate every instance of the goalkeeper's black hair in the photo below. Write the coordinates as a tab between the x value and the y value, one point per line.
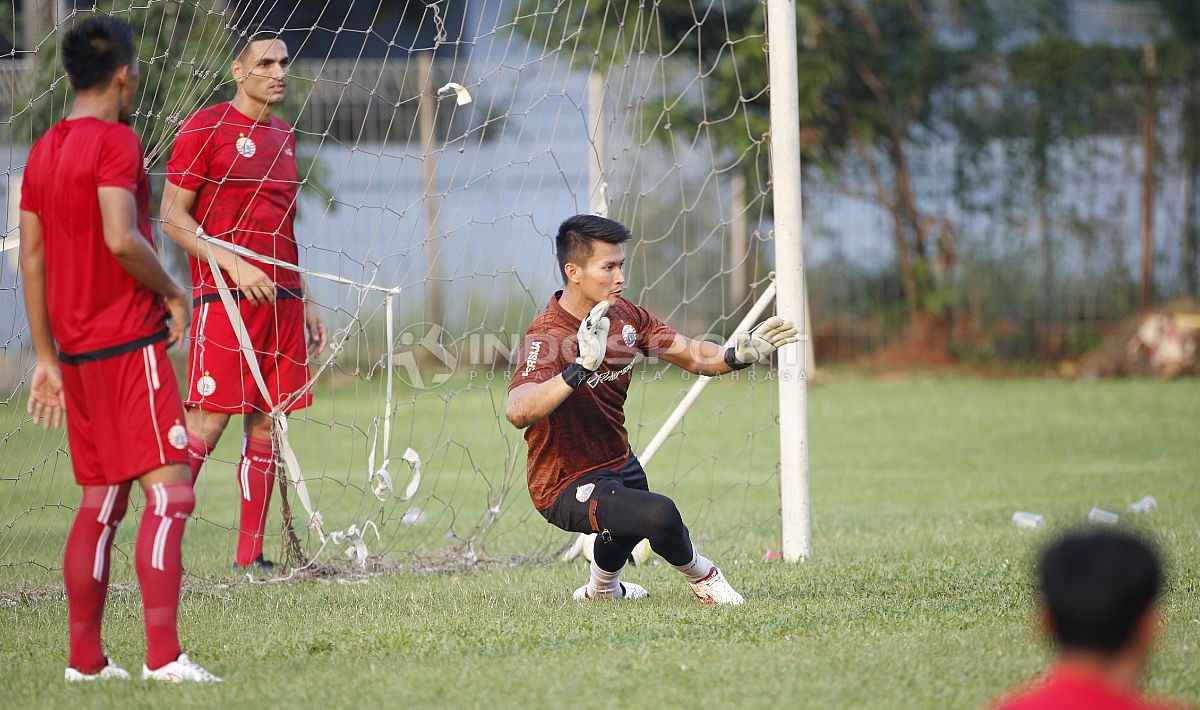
245	39
1097	586
94	49
575	235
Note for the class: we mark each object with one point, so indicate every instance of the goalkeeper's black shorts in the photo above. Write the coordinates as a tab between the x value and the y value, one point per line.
619	507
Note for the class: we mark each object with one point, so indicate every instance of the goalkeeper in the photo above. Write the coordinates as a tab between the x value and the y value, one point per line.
569	395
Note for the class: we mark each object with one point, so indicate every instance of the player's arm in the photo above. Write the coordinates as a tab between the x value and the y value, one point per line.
699	357
118	212
318	334
534	401
46	400
184	230
756	345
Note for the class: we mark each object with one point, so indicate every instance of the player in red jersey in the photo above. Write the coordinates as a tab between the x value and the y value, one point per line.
1099	596
98	300
232	174
569	395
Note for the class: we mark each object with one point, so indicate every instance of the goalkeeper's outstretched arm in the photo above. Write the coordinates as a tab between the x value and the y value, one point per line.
701	357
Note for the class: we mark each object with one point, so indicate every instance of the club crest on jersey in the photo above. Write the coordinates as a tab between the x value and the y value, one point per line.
206	385
245	147
177	436
584	492
288	152
628	335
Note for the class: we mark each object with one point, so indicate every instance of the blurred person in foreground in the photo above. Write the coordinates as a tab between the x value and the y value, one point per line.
1099	593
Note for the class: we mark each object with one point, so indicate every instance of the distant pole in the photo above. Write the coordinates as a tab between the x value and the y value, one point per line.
789	270
425	115
1149	123
39	18
597	132
739	242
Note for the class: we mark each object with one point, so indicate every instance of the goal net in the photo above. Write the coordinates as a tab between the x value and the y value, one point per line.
439	146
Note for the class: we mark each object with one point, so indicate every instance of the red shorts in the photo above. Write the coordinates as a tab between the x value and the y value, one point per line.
124	416
219	380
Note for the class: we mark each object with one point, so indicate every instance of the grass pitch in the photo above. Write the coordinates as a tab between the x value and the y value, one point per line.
918	593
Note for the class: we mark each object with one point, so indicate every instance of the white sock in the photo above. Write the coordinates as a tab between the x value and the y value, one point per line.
697	569
603	583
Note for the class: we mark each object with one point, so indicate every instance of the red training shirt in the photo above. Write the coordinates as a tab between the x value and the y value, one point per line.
1063	688
587	431
244	175
94	303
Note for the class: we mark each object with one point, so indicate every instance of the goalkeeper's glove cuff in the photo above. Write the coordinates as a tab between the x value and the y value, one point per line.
575	374
733	362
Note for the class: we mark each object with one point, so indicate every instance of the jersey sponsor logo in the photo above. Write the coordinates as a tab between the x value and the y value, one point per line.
629	334
206	385
584	492
608	376
531	358
177	436
245	147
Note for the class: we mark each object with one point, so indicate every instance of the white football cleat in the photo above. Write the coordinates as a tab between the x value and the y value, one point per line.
111	671
630	591
713	589
180	670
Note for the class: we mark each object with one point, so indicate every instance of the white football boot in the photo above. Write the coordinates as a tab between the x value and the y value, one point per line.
180	670
111	671
631	591
713	589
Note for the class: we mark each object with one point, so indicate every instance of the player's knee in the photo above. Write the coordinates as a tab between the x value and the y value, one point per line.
174	500
663	518
258	425
106	504
209	426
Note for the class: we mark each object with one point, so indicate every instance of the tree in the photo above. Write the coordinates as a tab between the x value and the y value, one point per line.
183	50
1181	65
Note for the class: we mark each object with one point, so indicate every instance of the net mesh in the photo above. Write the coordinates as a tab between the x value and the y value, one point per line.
439	145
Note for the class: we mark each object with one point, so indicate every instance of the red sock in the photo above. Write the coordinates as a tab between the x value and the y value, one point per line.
256	476
197	453
159	567
85	570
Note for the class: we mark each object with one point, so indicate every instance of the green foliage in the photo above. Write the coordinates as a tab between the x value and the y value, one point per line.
183	51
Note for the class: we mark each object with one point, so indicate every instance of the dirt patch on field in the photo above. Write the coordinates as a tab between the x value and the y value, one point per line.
1163	342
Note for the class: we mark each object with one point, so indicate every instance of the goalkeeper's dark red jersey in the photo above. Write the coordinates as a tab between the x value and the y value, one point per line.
94	303
587	431
244	175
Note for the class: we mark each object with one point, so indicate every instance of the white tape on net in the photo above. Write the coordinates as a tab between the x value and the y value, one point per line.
463	97
379	480
356	547
414	462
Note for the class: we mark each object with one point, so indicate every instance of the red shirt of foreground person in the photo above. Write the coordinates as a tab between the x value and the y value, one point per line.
1099	594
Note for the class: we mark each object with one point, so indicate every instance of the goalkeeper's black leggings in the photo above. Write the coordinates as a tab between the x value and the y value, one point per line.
620	508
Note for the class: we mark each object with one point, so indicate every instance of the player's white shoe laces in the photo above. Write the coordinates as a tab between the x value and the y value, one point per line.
180	670
713	589
109	672
632	591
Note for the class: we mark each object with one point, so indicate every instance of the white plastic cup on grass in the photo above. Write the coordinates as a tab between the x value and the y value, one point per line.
1102	517
1145	505
1028	521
